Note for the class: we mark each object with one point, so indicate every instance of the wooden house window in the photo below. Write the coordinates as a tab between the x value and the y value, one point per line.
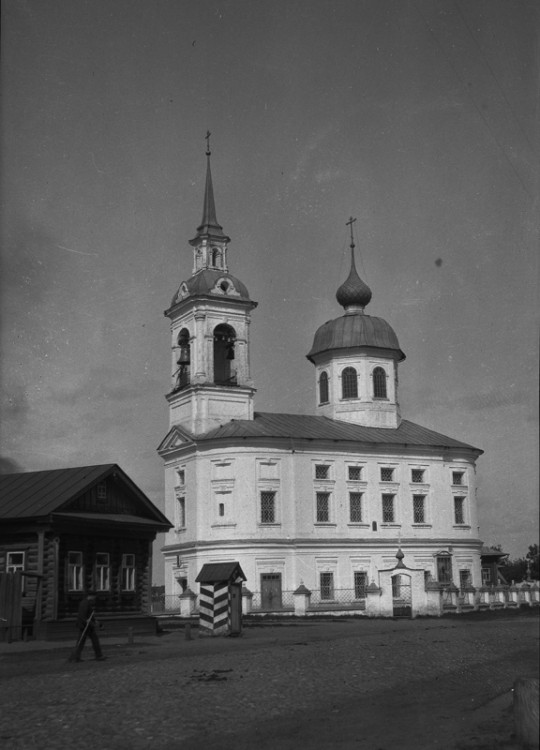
128	572
15	563
102	491
75	571
103	571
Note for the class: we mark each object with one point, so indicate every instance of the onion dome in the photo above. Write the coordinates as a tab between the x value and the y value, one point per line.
353	294
211	283
354	329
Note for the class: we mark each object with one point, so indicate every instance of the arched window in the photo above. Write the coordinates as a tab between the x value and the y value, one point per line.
349	383
224	339
184	359
323	388
216	257
379	383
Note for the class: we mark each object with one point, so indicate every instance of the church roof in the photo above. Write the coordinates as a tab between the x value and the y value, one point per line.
307	427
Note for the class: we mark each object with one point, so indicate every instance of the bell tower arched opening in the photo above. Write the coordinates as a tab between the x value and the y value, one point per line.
224	355
184	360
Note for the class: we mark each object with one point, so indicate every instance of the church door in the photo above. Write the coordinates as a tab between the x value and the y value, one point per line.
271	591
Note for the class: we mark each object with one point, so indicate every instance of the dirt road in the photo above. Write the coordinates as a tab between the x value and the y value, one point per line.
363	684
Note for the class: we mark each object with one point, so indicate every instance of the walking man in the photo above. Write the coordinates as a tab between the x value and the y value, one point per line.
86	623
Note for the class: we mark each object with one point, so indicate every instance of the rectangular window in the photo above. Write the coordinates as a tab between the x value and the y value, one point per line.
444	569
355	473
417	476
321	471
181	511
387	474
388	510
75	572
465	579
419	509
14	562
103	571
268	507
355	503
327	585
180	477
221	510
128	572
458	477
323	507
459	510
360	583
102	491
486	577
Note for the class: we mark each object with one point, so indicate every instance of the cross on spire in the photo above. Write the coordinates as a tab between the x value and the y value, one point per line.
207	138
350	224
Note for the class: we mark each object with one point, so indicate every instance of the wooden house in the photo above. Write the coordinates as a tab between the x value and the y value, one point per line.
68	531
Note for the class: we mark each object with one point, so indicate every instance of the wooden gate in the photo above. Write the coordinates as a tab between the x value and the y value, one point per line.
11	606
271	591
401	596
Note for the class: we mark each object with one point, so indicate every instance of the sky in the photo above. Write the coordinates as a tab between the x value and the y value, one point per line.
417	117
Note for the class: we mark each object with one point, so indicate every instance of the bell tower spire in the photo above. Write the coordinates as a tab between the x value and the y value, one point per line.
210	242
210	317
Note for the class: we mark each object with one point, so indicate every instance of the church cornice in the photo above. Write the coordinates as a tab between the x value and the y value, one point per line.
358	544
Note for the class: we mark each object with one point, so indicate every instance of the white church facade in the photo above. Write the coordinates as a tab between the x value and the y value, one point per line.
352	504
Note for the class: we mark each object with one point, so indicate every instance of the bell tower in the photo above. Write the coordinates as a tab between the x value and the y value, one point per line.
210	317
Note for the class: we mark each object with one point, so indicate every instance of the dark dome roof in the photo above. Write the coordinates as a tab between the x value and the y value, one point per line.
354	330
211	282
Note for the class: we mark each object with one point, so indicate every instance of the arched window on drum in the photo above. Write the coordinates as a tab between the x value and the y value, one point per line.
379	383
349	383
323	388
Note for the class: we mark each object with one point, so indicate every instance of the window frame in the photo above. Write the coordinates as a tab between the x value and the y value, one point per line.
462	481
181	511
349	383
386	496
360	588
274	519
423	498
354	495
328	587
129	572
392	470
325	473
422	474
102	572
320	495
323	388
75	571
380	387
460	503
352	468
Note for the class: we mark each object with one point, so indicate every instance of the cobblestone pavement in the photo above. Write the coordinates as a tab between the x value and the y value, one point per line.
363	684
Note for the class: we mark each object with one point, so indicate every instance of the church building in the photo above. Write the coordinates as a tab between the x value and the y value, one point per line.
325	502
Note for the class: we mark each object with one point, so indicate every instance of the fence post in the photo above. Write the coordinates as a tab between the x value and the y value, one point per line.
187	603
247	600
302	597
